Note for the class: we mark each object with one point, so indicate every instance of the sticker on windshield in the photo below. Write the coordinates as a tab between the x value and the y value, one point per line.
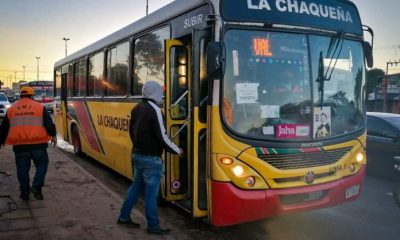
322	122
246	92
268	130
292	130
235	57
269	111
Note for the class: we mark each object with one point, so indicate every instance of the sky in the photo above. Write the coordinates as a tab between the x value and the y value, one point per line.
36	28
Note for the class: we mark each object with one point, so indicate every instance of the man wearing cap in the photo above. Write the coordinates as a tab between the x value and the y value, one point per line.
28	127
149	138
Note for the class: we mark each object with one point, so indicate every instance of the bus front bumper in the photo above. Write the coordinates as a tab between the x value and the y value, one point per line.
231	205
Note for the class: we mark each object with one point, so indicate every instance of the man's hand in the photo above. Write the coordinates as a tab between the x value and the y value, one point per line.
53	141
181	152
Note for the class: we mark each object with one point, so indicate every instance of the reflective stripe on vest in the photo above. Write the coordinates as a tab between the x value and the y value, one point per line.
26	123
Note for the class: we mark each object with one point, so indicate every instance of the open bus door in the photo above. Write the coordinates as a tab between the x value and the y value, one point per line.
186	120
60	111
177	116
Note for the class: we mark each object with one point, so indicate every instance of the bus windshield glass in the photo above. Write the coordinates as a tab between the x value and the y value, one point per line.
270	87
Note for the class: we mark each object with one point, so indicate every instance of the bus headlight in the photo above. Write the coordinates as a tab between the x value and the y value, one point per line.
360	157
226	161
238	170
241	174
251	181
352	167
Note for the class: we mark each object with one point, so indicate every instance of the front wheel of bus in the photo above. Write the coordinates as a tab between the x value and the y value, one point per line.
76	141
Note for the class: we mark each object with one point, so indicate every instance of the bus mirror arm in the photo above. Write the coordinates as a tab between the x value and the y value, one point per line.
368	47
214	56
368	54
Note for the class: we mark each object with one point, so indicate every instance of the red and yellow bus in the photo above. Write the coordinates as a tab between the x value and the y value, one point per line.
266	97
44	92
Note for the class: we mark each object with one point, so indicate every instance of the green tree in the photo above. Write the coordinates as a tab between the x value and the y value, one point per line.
374	79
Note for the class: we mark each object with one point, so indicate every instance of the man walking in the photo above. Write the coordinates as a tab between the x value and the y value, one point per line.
148	135
28	127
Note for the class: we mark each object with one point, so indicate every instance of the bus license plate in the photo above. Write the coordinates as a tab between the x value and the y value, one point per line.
352	191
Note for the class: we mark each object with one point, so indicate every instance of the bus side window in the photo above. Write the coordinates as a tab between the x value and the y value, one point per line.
179	82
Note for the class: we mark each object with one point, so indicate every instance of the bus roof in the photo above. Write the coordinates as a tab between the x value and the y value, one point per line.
167	12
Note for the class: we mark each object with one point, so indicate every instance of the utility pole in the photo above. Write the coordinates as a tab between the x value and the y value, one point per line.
147	7
10	76
386	83
24	71
65	39
15	78
38	67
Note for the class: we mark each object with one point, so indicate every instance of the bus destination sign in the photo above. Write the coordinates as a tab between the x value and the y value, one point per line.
325	14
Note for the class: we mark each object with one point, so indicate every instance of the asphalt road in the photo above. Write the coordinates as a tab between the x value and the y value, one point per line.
374	216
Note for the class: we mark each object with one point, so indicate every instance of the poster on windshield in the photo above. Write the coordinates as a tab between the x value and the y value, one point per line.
322	122
246	92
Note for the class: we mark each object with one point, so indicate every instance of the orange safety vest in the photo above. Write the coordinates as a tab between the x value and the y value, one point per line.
26	123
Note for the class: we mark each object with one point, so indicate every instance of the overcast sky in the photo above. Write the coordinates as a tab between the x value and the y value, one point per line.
35	28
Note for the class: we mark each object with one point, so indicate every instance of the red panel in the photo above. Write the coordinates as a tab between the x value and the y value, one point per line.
86	125
231	205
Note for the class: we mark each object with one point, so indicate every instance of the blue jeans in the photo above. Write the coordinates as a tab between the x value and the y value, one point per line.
23	162
146	178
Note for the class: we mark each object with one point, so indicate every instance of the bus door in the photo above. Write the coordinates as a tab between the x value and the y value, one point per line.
186	117
61	109
177	115
199	123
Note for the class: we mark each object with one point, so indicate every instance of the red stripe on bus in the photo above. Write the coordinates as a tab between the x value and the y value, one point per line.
264	150
86	126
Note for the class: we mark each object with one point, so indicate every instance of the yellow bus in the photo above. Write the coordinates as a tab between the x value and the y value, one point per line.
266	97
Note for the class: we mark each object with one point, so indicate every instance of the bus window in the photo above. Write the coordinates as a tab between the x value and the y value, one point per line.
149	59
117	70
70	81
58	83
179	82
80	78
96	71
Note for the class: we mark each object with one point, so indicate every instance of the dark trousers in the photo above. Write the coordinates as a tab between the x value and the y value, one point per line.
23	161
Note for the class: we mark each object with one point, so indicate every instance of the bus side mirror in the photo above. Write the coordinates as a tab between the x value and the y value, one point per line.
214	56
368	54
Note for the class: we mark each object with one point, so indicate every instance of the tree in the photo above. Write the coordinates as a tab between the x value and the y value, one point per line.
374	79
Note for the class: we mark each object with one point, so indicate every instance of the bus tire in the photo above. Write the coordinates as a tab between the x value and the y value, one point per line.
76	142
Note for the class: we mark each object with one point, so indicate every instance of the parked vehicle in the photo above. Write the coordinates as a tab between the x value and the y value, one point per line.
4	104
383	145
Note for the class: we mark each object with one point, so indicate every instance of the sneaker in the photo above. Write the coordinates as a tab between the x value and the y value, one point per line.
128	223
159	231
37	193
24	196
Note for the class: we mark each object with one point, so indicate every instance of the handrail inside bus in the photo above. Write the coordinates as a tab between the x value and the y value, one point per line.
179	99
203	101
181	128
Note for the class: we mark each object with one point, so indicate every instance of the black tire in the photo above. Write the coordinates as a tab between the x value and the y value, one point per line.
76	142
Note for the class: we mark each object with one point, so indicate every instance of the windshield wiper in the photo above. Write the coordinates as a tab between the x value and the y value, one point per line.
333	53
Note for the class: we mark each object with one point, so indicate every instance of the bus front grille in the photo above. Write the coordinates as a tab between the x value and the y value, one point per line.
303	159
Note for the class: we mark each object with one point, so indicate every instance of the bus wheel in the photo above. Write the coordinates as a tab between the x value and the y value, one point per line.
76	142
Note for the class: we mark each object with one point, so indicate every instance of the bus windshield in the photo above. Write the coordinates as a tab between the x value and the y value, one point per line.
271	89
